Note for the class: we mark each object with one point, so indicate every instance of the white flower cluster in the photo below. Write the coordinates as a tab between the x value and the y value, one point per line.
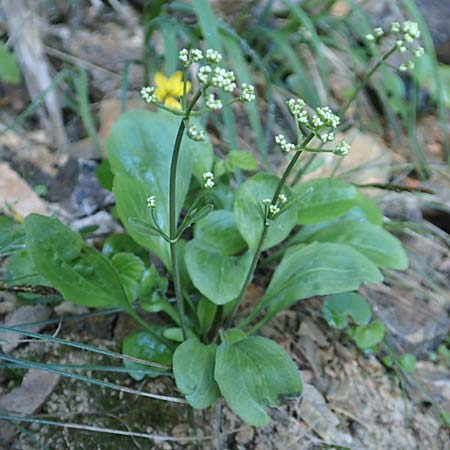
148	94
325	118
405	35
274	208
247	93
208	178
187	57
213	56
342	148
283	143
196	134
151	201
296	106
213	102
223	79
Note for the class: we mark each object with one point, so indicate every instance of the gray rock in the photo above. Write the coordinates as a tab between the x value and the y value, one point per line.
9	340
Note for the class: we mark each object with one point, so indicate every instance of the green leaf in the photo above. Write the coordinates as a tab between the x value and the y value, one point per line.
336	309
219	230
317	269
367	336
9	71
217	276
238	159
12	235
152	294
255	373
248	210
206	312
325	199
21	270
142	345
371	240
130	269
131	202
193	368
121	242
79	272
140	149
104	175
408	362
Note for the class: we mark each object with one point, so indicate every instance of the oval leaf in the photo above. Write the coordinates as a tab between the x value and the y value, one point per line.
325	199
193	368
140	149
217	276
248	210
317	269
220	231
79	272
130	269
255	373
336	309
371	240
143	345
368	336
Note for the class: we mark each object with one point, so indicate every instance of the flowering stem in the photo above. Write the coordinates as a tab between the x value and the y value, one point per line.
258	250
173	215
366	79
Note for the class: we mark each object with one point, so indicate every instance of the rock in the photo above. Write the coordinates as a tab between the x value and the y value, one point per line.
245	435
103	220
368	157
418	327
316	414
9	339
26	399
17	194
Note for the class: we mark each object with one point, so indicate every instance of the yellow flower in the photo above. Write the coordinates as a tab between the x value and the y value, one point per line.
169	90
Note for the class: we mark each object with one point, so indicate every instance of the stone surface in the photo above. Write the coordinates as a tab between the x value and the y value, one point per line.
15	193
27	398
9	340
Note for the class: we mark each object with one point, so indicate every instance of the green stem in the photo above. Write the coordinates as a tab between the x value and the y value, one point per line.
258	250
173	219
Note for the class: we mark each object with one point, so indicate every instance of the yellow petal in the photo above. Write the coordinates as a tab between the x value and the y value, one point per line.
176	78
170	101
161	94
162	83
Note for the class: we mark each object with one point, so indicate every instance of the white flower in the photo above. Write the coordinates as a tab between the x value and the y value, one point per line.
342	148
419	52
283	143
410	65
203	75
196	55
378	32
395	27
151	201
402	68
411	29
325	117
223	79
213	103
196	134
267	201
213	56
296	106
370	38
183	56
274	210
282	198
247	93
327	137
303	117
208	178
148	94
401	45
